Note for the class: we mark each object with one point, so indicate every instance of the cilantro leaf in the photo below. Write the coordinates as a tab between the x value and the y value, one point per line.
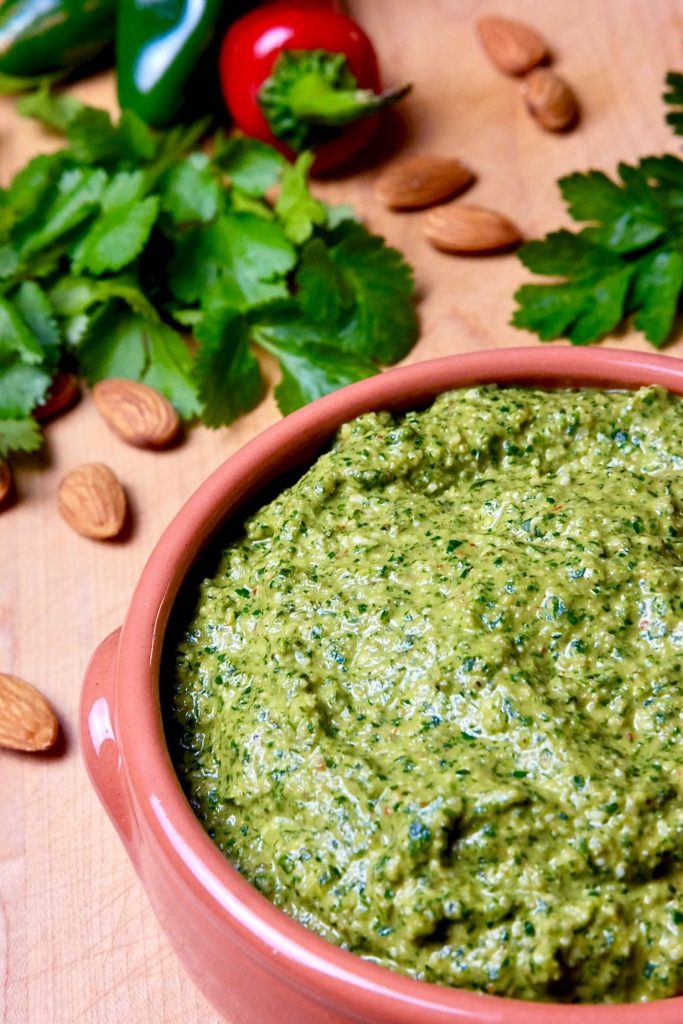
323	292
78	192
311	366
39	316
53	110
29	188
120	343
120	232
23	379
252	165
72	296
298	210
16	336
249	258
9	261
227	373
94	139
189	190
19	434
374	290
131	231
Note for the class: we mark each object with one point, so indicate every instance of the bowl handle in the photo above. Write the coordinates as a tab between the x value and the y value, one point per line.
98	738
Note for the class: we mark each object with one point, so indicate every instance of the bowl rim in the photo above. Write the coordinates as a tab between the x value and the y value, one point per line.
327	972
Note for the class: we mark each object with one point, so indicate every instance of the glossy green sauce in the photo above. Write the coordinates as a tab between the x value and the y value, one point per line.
431	704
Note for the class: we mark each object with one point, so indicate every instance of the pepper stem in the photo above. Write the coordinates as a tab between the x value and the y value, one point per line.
310	93
314	100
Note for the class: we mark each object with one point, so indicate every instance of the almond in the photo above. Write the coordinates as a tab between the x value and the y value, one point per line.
63	393
459	228
513	47
550	100
419	181
92	502
135	412
5	480
27	722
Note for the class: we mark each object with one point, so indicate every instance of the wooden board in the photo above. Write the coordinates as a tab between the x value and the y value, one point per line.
78	942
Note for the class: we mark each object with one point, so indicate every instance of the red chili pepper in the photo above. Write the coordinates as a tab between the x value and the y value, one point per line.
303	75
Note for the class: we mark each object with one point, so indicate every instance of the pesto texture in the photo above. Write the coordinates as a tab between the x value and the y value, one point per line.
431	704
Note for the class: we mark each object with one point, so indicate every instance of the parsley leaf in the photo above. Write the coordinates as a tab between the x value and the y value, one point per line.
626	261
674	97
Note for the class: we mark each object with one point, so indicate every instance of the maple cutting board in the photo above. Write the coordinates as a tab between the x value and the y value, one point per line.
78	942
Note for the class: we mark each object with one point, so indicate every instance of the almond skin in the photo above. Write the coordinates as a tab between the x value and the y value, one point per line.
91	500
419	181
5	480
64	392
470	229
27	722
136	413
513	47
550	100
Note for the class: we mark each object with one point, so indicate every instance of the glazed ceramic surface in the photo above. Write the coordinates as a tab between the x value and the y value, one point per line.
255	964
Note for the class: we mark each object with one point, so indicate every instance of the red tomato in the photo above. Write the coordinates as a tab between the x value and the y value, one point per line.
253	43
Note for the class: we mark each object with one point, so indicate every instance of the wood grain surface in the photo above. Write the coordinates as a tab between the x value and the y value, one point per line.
78	942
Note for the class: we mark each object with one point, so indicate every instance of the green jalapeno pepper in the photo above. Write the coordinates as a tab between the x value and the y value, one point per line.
40	36
158	47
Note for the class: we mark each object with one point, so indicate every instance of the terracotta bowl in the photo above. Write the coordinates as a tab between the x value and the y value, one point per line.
255	964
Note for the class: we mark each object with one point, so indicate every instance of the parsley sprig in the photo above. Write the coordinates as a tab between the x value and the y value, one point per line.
628	261
117	248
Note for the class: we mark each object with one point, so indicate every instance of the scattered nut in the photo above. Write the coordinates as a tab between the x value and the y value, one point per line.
513	47
91	500
135	412
27	722
550	100
5	480
470	229
419	181
61	396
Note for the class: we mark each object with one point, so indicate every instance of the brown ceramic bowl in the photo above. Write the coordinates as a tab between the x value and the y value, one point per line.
254	963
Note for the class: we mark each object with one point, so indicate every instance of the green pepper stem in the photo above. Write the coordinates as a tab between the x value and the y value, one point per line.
310	93
316	101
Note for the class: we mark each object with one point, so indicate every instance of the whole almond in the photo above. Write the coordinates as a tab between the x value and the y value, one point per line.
550	100
513	47
419	181
5	480
27	722
470	229
91	500
135	412
62	395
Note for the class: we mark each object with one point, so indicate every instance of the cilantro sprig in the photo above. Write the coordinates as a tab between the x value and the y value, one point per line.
117	247
627	261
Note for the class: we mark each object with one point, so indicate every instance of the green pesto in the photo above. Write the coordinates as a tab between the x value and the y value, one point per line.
431	703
